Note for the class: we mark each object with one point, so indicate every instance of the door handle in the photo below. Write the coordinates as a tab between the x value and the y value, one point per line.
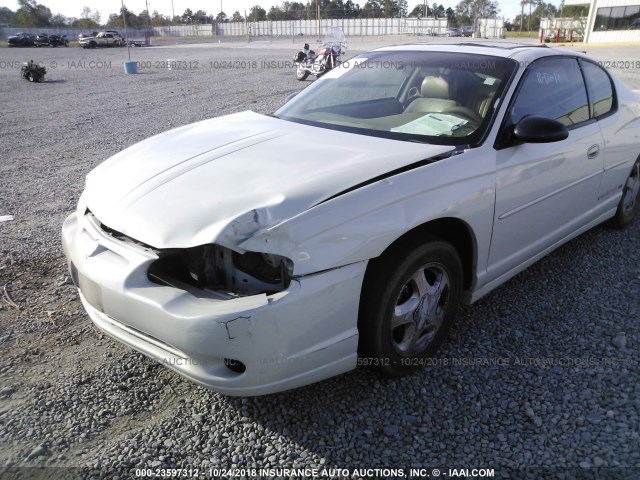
594	151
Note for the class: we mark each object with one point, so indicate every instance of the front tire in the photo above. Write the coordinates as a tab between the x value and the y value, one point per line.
409	301
301	74
630	201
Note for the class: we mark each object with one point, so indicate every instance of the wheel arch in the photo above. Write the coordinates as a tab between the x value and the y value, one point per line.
452	230
373	343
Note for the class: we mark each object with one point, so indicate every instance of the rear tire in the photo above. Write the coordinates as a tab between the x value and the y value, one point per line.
409	301
630	201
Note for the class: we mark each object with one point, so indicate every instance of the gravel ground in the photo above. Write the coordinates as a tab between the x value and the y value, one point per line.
541	377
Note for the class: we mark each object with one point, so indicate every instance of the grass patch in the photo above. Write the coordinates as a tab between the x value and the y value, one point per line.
523	34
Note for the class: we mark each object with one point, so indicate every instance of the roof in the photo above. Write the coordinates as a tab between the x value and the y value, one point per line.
501	45
518	51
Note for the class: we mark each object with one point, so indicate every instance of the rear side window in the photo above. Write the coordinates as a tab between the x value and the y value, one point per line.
600	89
552	88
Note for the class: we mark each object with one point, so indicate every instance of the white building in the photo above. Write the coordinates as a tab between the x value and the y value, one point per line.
611	20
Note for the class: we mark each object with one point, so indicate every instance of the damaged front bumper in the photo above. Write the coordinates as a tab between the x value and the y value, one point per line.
252	345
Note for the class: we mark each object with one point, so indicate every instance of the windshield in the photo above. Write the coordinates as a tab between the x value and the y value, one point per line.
434	97
335	35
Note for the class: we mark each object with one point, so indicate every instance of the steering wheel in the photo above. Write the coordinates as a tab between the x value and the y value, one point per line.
412	94
465	112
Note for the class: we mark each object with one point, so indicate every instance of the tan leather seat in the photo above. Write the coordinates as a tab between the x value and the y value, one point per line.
434	97
482	106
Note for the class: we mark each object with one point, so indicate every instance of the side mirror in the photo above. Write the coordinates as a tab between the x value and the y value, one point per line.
534	129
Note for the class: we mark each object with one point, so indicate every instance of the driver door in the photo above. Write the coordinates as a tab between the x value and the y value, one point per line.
545	191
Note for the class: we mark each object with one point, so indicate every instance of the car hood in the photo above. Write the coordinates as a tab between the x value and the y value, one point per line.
225	179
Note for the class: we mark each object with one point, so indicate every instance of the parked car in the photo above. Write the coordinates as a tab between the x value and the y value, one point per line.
466	31
58	40
424	31
84	35
21	40
103	39
452	32
250	262
42	40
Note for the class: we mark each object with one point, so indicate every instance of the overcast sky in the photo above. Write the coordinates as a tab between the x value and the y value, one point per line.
73	8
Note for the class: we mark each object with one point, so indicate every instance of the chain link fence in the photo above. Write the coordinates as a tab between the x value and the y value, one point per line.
289	30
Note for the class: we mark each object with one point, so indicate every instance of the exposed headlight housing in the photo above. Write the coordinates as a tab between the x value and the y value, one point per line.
222	271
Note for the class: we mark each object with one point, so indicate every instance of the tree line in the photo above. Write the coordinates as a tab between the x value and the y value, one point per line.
32	14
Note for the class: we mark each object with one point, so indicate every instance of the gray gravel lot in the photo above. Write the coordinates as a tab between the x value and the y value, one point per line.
539	378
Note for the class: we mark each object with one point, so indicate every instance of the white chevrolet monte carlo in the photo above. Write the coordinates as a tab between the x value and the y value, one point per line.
258	253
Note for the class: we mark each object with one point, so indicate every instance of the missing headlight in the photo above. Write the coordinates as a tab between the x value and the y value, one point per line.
219	269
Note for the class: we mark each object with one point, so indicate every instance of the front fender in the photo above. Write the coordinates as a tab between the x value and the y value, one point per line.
361	224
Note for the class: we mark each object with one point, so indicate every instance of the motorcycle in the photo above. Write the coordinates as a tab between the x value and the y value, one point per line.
328	56
32	71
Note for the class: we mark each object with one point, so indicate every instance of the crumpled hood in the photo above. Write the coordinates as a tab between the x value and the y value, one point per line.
223	180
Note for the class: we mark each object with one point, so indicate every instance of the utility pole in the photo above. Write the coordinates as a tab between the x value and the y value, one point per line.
173	12
522	14
126	34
